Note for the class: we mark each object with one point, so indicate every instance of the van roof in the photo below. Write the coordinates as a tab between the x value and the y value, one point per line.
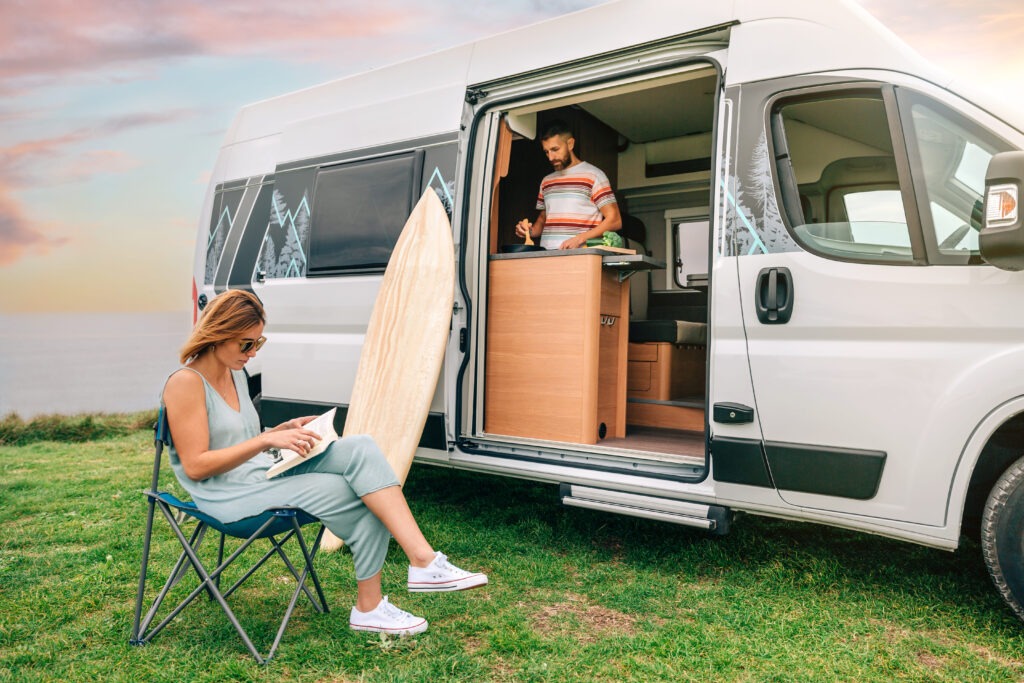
766	38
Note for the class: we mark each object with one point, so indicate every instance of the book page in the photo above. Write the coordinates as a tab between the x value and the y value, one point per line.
322	425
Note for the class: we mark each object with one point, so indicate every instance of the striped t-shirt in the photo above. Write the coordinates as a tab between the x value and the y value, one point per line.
571	200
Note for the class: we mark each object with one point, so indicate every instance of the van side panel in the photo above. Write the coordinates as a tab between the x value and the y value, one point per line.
316	323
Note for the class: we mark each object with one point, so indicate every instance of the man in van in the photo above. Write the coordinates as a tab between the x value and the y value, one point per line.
576	201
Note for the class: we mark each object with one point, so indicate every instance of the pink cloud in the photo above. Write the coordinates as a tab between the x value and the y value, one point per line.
52	37
19	236
56	159
96	162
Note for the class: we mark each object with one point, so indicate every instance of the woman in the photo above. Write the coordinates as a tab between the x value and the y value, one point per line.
219	456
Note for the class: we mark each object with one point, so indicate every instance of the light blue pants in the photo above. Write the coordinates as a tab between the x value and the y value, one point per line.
331	486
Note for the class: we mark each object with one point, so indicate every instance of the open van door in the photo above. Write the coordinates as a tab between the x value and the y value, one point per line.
649	155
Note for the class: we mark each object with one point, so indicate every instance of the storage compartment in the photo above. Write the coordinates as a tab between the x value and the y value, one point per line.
665	386
663	372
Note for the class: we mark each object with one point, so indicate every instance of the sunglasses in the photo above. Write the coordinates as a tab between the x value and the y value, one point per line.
247	345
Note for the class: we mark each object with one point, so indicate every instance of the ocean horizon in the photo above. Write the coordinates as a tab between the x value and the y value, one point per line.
73	363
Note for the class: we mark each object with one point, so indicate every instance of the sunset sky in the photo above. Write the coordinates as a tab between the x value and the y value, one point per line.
112	113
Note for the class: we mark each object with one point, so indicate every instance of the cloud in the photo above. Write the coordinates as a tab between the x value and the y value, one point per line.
59	160
48	40
58	37
18	236
56	160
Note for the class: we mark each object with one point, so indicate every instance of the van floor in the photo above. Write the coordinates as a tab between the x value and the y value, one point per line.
659	440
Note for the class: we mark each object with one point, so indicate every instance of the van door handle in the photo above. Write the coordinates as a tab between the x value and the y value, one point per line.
773	298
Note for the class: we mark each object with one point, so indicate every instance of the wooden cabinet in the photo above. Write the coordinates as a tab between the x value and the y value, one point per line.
665	386
557	332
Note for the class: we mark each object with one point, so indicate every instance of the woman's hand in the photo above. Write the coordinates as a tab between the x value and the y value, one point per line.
296	439
295	423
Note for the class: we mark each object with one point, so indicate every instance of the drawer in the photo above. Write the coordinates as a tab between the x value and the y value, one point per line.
643	352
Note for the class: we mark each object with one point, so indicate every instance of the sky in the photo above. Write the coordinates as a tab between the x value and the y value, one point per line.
112	111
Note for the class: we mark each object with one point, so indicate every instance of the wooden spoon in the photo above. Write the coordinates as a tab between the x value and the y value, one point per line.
529	237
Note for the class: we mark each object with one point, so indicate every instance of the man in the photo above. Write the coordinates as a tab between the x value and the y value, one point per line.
576	202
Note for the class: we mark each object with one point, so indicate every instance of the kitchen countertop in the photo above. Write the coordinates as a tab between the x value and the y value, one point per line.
609	259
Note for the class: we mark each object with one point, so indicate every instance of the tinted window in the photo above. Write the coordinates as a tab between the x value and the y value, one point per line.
838	177
359	210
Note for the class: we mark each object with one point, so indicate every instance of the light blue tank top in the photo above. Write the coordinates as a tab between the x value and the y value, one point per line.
229	496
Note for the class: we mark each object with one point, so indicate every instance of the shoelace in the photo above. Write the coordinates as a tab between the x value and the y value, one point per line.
442	563
394	612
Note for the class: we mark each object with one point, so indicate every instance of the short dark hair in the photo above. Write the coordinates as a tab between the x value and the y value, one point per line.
556	127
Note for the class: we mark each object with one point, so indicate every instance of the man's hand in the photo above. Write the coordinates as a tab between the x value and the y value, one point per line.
574	242
523	227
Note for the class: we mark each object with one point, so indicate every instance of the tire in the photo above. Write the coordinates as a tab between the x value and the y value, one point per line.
1002	536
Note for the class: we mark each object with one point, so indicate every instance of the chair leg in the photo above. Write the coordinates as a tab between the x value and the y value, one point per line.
307	570
136	631
309	557
179	570
208	583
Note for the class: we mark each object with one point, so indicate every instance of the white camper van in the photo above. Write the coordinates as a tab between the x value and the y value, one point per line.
821	320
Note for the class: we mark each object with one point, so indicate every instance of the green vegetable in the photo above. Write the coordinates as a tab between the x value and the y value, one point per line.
612	239
609	239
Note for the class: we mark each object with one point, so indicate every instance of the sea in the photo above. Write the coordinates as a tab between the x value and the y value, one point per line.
73	363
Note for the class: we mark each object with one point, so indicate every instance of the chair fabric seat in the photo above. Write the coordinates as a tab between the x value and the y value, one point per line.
243	528
672	331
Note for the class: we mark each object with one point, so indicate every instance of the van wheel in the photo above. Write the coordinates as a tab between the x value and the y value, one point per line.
1002	536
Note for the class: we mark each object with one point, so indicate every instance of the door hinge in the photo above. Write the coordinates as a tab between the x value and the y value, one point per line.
474	95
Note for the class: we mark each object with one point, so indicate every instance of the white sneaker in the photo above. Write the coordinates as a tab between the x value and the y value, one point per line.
440	575
386	618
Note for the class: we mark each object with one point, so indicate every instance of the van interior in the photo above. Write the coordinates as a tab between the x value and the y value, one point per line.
641	323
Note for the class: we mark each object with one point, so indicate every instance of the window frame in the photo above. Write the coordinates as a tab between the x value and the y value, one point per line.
416	155
781	168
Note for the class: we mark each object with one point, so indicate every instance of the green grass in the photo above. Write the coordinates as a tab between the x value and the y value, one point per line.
575	595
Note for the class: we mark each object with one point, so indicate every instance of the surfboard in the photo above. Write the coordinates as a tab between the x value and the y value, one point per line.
405	341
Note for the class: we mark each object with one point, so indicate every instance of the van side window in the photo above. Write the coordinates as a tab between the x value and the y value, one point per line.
359	209
222	220
949	156
838	178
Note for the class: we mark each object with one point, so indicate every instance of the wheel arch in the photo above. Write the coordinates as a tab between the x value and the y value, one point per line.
997	442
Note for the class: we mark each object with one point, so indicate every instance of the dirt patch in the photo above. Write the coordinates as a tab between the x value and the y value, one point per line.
985	653
929	661
503	672
584	622
472	644
932	661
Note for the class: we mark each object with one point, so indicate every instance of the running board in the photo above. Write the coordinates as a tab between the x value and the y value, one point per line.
712	518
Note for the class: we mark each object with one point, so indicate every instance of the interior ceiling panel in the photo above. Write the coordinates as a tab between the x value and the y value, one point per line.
668	111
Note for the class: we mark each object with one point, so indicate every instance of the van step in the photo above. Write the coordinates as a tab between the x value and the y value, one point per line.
713	518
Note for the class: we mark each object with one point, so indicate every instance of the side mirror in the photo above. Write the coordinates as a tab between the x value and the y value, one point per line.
1002	237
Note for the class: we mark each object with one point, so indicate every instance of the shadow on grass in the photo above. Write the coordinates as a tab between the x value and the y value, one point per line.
799	558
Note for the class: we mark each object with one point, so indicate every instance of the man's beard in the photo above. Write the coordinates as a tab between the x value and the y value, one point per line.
559	164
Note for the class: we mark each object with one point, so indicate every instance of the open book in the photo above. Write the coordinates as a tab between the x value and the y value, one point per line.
324	426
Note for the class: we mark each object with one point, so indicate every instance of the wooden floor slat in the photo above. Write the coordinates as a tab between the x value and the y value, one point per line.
655	440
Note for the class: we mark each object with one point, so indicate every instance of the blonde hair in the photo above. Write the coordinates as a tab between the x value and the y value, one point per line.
225	318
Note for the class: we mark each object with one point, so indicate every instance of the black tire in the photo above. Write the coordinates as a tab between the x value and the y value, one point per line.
1002	536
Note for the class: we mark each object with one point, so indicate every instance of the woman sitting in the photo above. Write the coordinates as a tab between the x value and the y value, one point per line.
220	458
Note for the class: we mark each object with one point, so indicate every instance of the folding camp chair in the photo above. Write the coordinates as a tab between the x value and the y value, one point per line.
269	525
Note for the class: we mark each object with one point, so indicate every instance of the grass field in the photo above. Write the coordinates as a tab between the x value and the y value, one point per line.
575	595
